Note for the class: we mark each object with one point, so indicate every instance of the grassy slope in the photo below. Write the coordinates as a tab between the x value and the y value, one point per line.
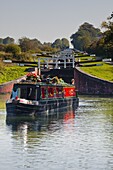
8	73
11	73
104	72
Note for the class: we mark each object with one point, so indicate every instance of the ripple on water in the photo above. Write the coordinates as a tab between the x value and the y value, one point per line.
76	140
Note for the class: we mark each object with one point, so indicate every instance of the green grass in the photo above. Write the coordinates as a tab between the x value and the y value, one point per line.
2	105
104	71
10	73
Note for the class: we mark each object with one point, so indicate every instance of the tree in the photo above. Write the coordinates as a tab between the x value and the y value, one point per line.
8	40
2	47
57	44
85	35
27	44
61	44
13	48
108	36
1	40
65	43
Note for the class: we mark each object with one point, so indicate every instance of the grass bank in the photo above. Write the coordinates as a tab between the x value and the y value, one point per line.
104	71
9	73
12	72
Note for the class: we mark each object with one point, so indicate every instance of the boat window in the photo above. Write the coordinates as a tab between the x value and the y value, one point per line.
15	92
31	93
28	93
38	92
23	93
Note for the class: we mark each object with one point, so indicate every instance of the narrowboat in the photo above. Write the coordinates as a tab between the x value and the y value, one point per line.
35	96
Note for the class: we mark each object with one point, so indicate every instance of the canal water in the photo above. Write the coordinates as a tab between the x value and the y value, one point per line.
71	140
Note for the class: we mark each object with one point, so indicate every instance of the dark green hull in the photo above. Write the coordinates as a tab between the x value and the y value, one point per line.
44	107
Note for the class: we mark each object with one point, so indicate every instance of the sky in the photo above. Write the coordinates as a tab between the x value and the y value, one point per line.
48	20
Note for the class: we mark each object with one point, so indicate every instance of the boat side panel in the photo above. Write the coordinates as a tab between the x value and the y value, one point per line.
44	107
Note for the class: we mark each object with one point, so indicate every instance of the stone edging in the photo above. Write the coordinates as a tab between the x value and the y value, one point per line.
7	87
88	84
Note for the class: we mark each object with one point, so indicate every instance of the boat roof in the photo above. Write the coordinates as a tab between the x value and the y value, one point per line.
30	83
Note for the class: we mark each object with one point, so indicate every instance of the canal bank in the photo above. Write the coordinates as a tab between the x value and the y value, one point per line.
7	87
90	85
66	74
85	83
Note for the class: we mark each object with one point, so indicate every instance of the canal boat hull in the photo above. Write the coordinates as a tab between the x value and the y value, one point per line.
43	107
36	97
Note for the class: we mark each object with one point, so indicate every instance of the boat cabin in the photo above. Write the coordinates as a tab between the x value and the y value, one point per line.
39	91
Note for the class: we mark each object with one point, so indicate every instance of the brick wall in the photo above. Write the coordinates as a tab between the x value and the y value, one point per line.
87	84
7	87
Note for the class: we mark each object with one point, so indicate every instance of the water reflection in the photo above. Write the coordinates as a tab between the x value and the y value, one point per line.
34	128
76	140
